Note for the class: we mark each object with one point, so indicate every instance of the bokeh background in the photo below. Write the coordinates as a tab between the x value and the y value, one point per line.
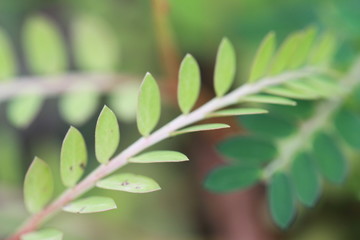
153	35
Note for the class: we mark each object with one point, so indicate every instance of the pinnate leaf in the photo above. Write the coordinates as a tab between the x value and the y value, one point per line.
73	158
225	67
38	185
91	205
159	156
189	83
201	127
302	51
237	112
128	182
269	99
44	234
7	59
107	135
149	105
324	50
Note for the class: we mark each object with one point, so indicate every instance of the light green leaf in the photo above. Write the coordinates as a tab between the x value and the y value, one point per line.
23	109
323	52
281	200
107	135
284	91
79	104
269	99
305	179
303	49
329	158
38	185
73	157
232	178
189	83
91	205
303	86
44	46
201	127
225	67
128	182
45	234
159	156
8	66
149	105
237	112
95	45
263	57
285	53
348	126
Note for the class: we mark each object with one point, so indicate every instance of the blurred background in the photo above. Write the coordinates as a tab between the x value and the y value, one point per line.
99	52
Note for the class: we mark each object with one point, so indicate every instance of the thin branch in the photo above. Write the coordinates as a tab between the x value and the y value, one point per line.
159	135
59	84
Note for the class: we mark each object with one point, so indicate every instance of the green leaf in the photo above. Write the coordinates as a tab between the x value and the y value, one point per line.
269	126
237	112
38	185
302	111
263	57
289	92
91	205
281	200
304	86
269	99
225	67
348	126
95	45
247	149
189	83
107	135
285	53
329	158
79	104
201	127
303	49
23	109
232	178
44	46
323	52
128	182
305	179
149	105
73	157
45	234
159	156
8	66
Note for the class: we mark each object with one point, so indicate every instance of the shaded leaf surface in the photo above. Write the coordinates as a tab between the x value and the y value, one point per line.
348	126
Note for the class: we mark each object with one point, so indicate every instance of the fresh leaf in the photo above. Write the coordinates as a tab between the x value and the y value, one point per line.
107	135
225	67
23	109
73	157
128	182
329	158
44	46
91	205
79	104
159	156
290	92
38	185
247	149
305	179
324	50
44	234
268	125
201	127
263	57
348	126
189	84
281	200
303	49
149	105
232	178
269	99
237	112
7	58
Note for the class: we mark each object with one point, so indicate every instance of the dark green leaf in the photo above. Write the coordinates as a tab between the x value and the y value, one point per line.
90	205
237	112
281	200
329	158
348	126
44	234
159	156
225	67
232	178
201	127
107	135
305	179
38	185
189	83
248	149
73	157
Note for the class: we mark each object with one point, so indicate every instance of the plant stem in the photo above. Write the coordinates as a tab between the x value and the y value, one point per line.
159	135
